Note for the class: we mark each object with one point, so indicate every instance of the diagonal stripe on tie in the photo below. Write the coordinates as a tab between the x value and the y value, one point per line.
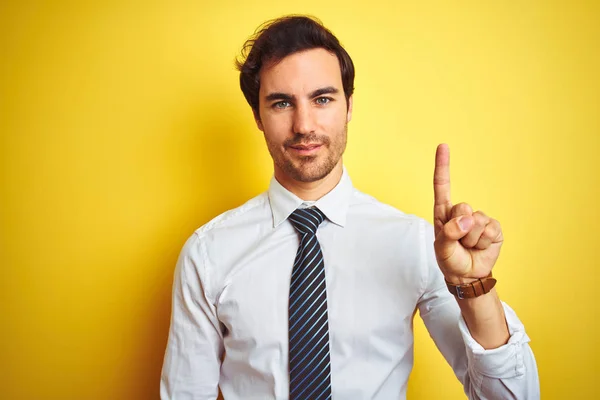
305	288
309	360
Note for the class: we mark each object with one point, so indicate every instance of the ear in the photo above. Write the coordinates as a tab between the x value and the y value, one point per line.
349	113
258	121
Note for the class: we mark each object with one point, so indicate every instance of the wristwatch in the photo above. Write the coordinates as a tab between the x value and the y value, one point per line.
473	289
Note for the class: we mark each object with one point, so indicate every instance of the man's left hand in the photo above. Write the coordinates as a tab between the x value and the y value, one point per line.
467	244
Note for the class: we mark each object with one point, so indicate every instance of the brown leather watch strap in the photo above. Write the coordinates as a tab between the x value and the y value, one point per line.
473	289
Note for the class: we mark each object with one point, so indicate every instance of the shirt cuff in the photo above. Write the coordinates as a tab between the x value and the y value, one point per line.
503	362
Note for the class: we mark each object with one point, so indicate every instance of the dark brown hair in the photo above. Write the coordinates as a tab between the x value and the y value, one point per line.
277	39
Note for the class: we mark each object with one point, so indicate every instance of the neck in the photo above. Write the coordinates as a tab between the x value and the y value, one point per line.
311	191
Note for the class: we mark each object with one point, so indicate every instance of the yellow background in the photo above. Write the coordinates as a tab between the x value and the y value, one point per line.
122	129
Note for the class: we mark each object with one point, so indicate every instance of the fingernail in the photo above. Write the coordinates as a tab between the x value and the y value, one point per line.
465	223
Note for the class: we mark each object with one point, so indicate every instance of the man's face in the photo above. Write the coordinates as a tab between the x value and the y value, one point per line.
303	114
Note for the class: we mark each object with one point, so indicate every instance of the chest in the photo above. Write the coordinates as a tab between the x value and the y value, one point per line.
372	286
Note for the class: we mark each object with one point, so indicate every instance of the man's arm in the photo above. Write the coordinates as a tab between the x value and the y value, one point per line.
466	246
506	371
193	356
484	316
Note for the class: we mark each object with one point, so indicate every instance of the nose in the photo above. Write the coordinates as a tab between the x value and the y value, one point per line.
304	120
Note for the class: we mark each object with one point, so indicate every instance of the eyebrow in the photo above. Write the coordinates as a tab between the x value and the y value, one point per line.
313	94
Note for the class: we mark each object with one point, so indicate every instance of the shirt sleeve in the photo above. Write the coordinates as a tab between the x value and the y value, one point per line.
507	372
195	345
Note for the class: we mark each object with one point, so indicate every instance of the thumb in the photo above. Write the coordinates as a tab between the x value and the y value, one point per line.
446	241
456	229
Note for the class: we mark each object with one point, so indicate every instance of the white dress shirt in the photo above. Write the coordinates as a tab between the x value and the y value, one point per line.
229	323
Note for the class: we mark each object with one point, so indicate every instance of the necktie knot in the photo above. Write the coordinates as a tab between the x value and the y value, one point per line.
307	220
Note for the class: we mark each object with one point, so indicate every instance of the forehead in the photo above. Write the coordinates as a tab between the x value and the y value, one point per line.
301	72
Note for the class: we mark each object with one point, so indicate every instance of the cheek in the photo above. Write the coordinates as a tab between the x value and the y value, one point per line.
276	129
333	118
333	121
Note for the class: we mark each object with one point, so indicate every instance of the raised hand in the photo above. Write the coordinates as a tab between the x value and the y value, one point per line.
467	243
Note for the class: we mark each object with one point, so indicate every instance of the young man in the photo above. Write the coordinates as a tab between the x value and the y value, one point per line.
308	291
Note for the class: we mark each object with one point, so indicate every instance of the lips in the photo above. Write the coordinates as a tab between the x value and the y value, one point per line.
306	149
306	146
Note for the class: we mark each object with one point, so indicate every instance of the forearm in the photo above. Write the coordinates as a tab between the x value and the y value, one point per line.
484	316
506	372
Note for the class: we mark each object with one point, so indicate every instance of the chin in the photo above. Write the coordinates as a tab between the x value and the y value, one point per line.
306	178
308	173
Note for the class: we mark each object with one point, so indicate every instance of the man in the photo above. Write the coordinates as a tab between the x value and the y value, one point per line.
308	291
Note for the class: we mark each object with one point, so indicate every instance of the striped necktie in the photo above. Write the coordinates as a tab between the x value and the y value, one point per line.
309	367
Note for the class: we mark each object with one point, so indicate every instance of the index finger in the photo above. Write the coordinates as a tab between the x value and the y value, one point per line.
441	175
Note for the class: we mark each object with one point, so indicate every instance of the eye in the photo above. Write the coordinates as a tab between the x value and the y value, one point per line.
281	104
323	100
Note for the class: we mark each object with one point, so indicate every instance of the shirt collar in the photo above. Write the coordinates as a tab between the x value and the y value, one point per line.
334	204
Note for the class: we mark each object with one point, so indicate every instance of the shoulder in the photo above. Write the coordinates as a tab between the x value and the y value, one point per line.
368	205
385	220
223	238
229	226
227	235
254	210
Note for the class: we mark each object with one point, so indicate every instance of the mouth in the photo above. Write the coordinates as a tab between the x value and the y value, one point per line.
306	149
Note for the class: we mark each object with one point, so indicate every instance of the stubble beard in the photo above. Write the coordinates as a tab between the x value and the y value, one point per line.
310	168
